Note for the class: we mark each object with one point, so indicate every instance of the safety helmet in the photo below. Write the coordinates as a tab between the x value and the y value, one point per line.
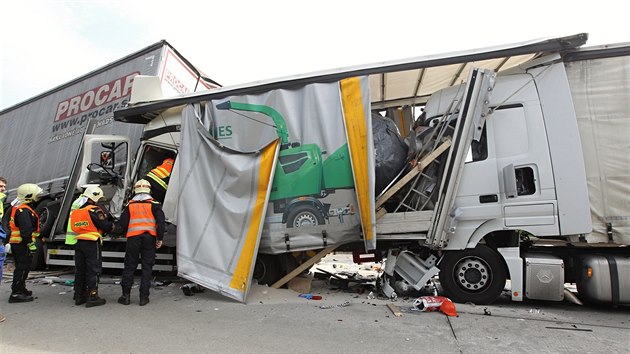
167	164
94	193
142	186
28	192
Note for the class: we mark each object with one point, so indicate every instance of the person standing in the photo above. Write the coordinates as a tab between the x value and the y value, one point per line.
71	237
24	224
3	234
143	222
159	178
89	222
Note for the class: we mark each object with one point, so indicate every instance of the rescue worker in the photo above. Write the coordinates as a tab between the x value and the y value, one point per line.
24	225
159	178
71	236
89	222
144	223
3	234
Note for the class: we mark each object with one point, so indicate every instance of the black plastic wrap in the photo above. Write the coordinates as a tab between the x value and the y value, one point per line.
389	149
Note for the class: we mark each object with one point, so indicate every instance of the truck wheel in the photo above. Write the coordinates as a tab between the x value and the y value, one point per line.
47	211
267	269
474	275
304	215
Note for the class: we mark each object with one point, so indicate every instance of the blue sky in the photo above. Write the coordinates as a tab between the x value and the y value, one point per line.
47	43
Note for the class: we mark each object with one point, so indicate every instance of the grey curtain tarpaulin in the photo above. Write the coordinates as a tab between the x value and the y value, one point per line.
222	201
306	152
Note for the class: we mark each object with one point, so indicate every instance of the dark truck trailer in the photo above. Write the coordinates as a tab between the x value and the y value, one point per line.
41	138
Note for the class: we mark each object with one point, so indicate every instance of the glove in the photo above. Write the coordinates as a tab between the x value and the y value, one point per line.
32	247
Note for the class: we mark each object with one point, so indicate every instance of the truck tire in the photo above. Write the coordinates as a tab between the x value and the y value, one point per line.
305	215
474	275
38	261
47	211
267	269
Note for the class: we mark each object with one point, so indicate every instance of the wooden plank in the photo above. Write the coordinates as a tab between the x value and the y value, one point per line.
395	310
411	174
303	266
380	213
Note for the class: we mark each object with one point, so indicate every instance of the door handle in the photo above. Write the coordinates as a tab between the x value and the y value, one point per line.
488	198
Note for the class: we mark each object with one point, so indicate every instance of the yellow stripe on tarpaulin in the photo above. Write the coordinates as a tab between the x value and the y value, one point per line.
244	264
357	131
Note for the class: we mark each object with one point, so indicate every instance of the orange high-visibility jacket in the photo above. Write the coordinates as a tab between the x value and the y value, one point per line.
141	218
161	173
16	237
82	224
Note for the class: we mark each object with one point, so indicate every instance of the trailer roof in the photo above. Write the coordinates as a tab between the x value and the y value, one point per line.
392	83
104	68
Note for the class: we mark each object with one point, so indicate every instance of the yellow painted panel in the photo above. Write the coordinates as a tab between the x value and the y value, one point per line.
356	130
244	264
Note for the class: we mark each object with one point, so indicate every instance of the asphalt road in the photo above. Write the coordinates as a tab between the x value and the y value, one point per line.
280	321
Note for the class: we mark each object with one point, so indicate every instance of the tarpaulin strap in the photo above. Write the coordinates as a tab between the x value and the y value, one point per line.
286	241
614	279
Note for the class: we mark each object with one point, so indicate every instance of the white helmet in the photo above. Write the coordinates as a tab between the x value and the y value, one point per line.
94	193
28	192
142	186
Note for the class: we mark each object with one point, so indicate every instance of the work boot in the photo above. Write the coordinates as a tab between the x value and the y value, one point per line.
94	300
125	299
80	299
144	301
19	297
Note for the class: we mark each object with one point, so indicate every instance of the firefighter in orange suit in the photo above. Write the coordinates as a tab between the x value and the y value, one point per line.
24	225
159	178
144	223
89	222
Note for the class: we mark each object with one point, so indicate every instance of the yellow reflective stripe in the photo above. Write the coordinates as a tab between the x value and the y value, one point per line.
90	236
356	130
16	236
244	264
157	179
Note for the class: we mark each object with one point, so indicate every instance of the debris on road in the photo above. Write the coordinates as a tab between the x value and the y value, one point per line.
435	303
571	329
343	304
191	289
394	309
310	296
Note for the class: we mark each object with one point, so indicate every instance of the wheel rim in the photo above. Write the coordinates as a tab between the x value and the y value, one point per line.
305	219
473	274
43	216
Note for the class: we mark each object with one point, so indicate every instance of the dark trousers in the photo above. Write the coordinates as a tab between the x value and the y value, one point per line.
139	248
88	265
22	259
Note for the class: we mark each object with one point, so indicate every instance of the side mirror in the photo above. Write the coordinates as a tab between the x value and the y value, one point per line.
107	159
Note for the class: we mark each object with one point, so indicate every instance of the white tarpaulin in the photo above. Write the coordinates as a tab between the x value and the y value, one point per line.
601	95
